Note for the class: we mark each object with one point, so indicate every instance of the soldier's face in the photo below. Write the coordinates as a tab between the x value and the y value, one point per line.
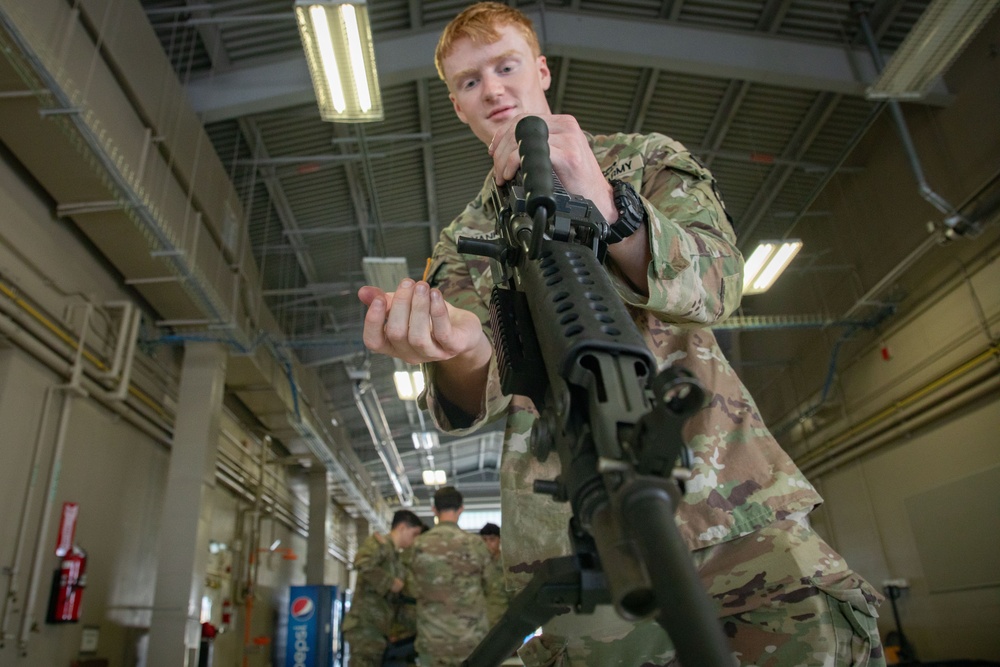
490	84
492	543
408	536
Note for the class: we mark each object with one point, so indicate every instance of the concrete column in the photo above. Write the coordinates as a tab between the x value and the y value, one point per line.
320	527
187	510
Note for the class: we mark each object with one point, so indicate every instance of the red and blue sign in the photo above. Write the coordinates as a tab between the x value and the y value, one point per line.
302	608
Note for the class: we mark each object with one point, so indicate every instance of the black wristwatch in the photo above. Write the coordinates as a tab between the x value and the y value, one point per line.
631	212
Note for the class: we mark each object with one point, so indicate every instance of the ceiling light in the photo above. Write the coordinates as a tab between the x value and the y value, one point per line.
434	477
941	33
385	272
337	40
766	263
409	384
425	439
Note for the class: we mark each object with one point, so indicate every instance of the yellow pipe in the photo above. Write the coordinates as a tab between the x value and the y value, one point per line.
953	374
51	326
67	338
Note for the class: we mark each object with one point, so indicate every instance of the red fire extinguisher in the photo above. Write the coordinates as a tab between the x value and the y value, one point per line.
67	587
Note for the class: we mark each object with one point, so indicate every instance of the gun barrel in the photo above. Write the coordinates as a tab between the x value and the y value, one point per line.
687	614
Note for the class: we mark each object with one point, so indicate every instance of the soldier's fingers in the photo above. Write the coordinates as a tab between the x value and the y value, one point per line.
373	333
440	320
368	293
397	322
419	335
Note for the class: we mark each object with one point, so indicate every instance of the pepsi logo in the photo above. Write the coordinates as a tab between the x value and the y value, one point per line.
302	608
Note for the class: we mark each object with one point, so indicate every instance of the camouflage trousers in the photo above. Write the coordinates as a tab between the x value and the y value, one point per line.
366	647
786	600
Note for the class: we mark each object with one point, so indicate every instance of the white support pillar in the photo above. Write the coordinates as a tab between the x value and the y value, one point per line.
187	509
320	528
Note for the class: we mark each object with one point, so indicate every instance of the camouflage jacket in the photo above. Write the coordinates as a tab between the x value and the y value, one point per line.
448	576
742	479
373	604
497	595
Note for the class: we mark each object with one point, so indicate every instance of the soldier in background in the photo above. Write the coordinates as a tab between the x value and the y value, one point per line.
448	575
497	596
368	624
401	650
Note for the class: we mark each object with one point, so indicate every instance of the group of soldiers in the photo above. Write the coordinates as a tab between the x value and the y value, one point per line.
432	593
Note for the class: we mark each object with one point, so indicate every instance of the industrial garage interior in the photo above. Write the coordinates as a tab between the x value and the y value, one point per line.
185	398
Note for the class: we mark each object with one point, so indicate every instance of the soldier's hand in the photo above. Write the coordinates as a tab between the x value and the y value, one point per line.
397	585
416	324
571	156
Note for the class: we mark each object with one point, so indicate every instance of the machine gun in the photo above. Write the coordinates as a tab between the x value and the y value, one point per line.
564	338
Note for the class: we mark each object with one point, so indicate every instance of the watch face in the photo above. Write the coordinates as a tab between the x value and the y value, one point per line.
631	213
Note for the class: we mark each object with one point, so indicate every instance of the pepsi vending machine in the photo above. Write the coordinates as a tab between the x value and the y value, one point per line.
313	632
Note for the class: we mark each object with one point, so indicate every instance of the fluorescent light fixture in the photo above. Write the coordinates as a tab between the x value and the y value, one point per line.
434	477
337	40
385	272
766	263
409	384
425	439
939	35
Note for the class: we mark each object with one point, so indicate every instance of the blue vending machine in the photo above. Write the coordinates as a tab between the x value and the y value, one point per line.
312	636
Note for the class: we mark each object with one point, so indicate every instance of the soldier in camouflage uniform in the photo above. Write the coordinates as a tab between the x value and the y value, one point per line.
785	596
447	575
401	650
368	624
497	595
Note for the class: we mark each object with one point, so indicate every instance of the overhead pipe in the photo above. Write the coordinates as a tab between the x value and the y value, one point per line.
71	391
911	413
374	418
956	224
53	345
132	339
14	569
124	328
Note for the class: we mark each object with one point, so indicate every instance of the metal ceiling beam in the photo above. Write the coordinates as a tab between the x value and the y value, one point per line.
644	92
732	99
686	49
359	194
211	36
427	157
252	136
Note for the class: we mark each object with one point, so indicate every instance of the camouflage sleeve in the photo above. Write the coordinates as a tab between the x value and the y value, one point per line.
696	276
465	282
372	566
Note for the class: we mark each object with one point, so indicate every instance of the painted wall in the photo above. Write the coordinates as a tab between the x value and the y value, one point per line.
924	505
868	516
